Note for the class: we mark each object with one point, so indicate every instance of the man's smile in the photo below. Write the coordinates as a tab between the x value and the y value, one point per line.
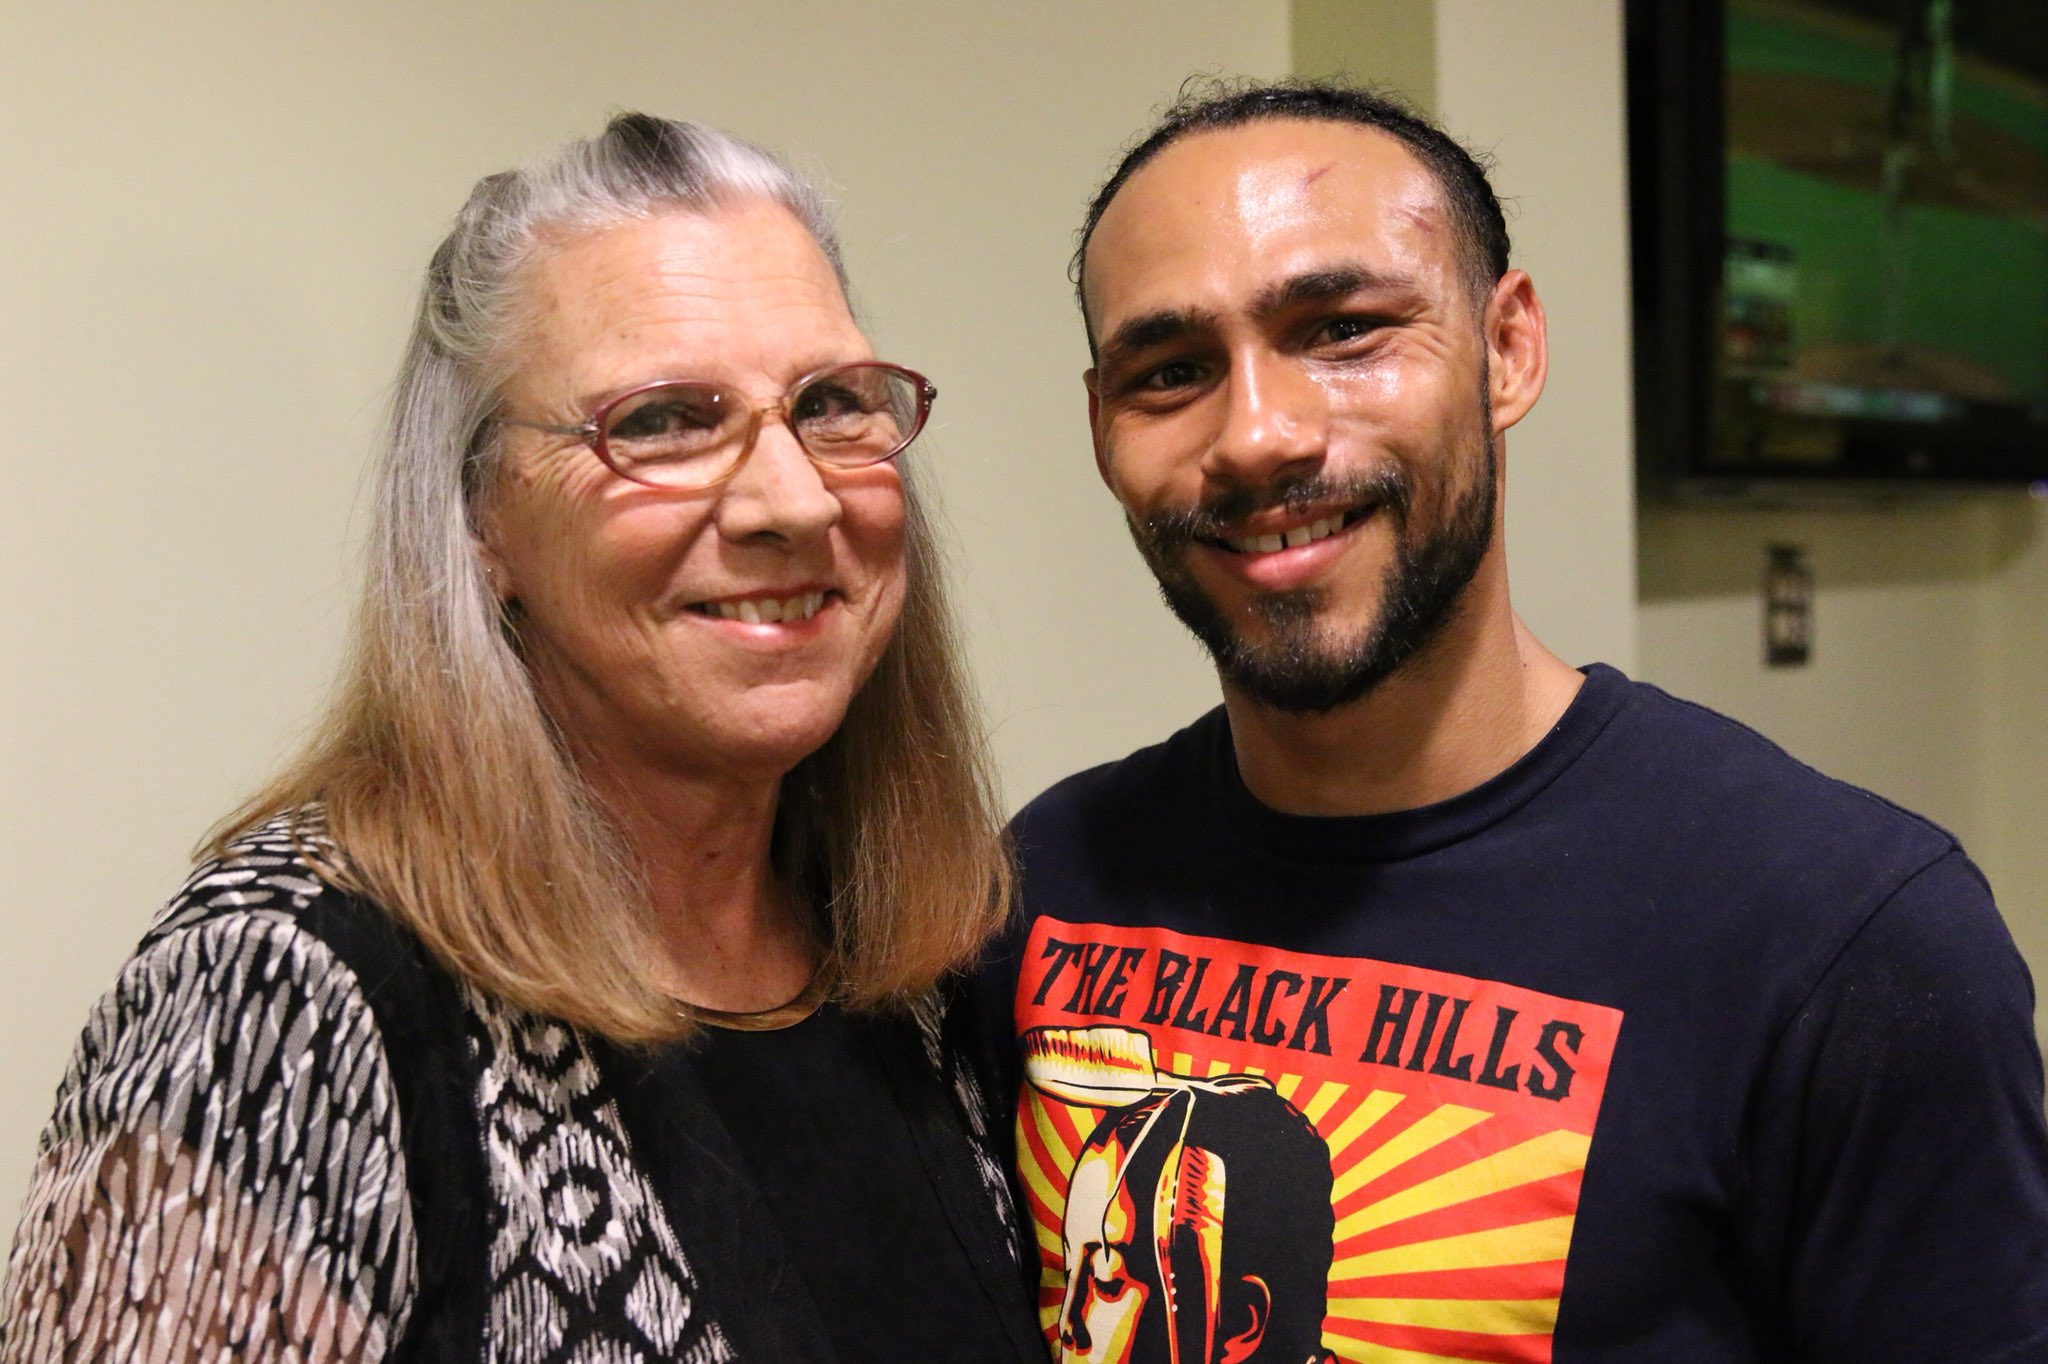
1267	541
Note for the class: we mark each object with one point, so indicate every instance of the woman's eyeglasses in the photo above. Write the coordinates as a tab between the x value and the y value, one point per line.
684	435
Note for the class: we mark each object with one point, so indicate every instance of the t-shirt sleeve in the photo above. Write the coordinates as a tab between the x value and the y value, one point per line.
222	1177
989	997
1904	1175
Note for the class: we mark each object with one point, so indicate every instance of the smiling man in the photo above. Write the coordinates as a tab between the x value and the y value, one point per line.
1627	1036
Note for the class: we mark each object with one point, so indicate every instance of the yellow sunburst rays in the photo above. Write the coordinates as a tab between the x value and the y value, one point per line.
1058	1130
1539	1158
1539	1241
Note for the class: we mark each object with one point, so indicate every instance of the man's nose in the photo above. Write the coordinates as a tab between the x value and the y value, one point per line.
1276	422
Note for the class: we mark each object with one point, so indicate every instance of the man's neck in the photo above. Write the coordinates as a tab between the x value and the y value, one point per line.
1460	713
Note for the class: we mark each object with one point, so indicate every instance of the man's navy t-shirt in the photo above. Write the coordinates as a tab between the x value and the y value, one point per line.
1657	1046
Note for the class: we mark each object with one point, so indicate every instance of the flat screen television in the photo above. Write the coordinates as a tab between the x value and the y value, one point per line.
1840	244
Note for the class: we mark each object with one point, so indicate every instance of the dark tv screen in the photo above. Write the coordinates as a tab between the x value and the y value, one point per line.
1840	221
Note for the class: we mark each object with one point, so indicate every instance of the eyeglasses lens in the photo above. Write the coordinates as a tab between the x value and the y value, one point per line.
686	435
678	433
861	414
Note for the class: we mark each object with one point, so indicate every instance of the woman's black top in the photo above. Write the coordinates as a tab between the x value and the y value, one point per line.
287	1133
849	1227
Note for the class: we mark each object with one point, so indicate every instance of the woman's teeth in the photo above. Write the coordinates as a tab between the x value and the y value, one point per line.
768	610
1293	539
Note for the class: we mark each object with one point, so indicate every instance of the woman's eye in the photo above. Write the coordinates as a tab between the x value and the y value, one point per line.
822	402
668	418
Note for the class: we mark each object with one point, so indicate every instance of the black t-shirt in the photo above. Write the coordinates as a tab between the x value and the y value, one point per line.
1657	1046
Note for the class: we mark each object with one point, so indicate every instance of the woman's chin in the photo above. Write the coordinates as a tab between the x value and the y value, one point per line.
760	737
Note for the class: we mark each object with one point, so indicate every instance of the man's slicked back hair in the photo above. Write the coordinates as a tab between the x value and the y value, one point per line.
1210	104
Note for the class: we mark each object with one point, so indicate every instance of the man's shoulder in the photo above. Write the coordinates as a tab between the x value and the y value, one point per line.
1690	806
1178	767
1684	759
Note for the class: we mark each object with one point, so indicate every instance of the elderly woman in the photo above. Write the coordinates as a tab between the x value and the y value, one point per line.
572	996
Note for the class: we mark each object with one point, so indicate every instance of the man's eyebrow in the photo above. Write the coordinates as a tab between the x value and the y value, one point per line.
1152	329
1320	286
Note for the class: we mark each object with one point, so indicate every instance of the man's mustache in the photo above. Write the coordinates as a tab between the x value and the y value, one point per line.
1224	511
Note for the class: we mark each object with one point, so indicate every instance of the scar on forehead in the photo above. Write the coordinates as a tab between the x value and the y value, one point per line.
1424	218
1316	174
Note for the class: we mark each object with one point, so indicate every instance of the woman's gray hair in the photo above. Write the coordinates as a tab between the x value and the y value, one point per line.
470	321
446	790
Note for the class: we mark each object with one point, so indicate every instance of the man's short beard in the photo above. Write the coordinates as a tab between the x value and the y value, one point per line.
1296	670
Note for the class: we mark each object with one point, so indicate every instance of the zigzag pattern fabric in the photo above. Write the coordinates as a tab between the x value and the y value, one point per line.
224	1175
584	1265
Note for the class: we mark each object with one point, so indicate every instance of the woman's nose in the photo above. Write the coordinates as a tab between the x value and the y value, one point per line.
777	490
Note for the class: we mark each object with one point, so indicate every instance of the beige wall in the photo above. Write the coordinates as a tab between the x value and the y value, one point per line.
1390	43
216	215
1889	700
2013	608
217	211
1540	87
1930	643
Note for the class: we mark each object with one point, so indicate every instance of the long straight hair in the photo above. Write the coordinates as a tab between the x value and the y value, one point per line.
438	778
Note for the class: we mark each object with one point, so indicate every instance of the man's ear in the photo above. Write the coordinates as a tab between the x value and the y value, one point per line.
1088	377
1517	349
1251	1299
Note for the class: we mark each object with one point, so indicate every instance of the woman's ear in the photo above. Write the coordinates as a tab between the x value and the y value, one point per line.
496	572
486	538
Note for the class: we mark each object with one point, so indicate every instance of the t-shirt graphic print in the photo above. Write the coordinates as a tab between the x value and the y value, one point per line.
1235	1153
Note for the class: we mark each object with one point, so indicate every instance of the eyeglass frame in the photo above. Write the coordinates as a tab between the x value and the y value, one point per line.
592	433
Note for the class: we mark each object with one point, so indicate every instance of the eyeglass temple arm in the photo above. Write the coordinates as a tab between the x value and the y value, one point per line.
588	430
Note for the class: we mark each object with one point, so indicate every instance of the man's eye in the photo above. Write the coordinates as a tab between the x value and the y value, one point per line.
1339	330
1174	374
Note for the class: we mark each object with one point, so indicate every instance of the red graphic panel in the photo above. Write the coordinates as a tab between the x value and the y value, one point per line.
1232	1152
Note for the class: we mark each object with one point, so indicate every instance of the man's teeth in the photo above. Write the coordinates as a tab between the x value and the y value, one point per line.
1293	539
769	610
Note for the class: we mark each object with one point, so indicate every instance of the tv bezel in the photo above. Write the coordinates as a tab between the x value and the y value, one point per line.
1676	68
